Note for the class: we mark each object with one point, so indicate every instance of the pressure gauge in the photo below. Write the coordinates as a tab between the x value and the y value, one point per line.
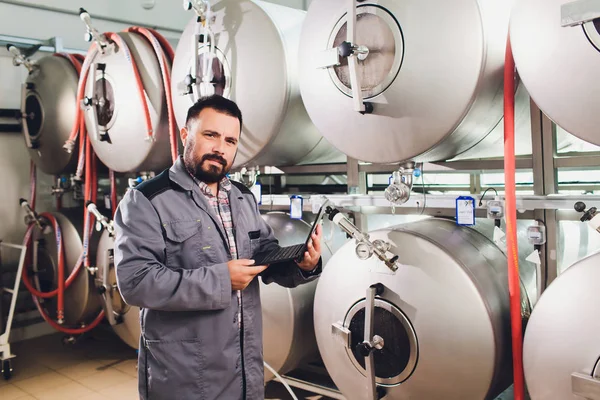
363	251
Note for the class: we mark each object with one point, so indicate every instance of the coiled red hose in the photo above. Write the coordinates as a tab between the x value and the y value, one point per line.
514	288
165	55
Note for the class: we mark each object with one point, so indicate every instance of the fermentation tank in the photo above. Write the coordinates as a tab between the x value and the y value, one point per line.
562	334
558	61
49	102
81	300
116	118
433	74
255	64
126	318
443	316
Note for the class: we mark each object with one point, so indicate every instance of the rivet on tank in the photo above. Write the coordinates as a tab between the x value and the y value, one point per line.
125	92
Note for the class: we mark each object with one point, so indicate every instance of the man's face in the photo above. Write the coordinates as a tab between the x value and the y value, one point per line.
210	145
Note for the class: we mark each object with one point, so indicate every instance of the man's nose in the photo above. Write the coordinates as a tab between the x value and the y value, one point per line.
218	147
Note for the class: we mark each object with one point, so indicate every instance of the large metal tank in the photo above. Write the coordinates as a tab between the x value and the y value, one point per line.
558	64
444	315
116	120
562	334
288	329
256	66
435	81
50	104
82	302
126	318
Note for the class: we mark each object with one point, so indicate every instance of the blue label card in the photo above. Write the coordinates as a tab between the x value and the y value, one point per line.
296	207
465	211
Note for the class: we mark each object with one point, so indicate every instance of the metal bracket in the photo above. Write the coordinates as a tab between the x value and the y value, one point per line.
371	341
349	50
585	386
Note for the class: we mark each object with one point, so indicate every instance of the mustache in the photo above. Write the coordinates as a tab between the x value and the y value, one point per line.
214	157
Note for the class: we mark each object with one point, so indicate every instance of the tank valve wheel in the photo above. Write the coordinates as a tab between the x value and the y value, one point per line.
7	369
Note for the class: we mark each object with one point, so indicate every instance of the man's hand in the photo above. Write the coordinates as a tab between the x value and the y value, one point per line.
311	257
242	273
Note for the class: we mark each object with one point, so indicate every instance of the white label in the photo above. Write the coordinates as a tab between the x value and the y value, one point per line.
296	208
465	212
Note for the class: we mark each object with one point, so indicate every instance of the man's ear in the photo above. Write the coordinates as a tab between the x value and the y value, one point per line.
184	134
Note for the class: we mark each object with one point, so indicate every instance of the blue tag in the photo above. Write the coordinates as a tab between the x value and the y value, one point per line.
465	211
296	207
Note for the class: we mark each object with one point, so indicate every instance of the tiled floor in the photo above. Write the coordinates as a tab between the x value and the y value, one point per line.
97	367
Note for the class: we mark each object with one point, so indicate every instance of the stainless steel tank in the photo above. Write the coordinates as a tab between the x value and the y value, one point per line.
557	63
288	329
562	334
116	122
127	318
444	315
50	103
435	81
256	66
82	302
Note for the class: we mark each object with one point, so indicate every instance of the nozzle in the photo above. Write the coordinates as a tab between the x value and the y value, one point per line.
22	202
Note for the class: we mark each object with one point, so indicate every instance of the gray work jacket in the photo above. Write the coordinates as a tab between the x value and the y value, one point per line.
171	257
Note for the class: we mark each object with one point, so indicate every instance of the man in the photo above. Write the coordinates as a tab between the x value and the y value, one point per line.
183	253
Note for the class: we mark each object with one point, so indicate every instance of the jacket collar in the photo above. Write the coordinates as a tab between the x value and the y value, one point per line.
179	175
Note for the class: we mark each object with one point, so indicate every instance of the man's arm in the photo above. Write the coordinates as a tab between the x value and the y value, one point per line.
143	278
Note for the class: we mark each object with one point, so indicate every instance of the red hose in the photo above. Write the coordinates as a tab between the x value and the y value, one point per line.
69	331
514	288
113	192
162	46
121	43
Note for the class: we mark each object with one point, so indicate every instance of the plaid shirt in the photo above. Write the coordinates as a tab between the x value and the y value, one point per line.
221	207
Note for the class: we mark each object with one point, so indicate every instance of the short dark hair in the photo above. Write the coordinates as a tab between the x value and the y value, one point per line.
217	103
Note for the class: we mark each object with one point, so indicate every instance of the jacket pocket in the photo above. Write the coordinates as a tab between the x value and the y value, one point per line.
183	242
174	369
254	237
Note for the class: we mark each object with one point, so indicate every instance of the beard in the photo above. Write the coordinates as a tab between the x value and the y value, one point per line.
202	169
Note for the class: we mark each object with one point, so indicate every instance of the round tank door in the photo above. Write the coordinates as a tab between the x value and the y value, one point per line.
431	84
556	46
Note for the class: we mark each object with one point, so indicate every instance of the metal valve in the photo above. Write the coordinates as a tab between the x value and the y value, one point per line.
19	58
31	214
398	192
365	248
102	221
591	216
92	33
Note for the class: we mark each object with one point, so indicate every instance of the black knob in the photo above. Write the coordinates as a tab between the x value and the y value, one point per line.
81	10
101	290
345	49
87	101
364	349
580	206
368	108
